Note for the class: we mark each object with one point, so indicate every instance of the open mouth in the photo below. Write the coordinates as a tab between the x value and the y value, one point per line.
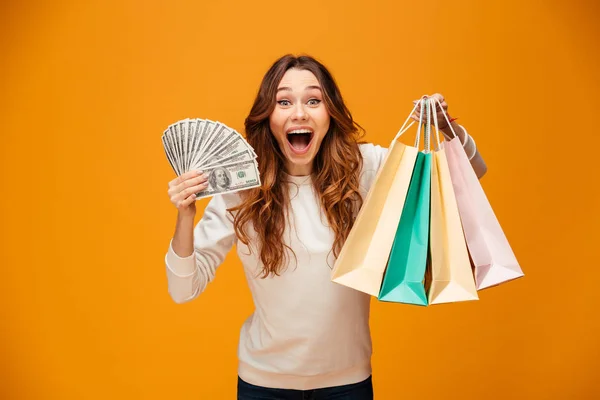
300	140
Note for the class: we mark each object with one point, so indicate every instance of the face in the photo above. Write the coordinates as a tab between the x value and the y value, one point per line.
300	120
221	178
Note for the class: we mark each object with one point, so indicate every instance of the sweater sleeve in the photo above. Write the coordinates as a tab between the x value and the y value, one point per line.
373	158
477	162
214	237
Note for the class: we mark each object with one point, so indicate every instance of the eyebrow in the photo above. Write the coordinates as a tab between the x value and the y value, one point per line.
290	89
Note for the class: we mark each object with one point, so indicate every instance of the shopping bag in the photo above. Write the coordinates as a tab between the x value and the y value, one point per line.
363	258
404	277
492	256
403	281
451	277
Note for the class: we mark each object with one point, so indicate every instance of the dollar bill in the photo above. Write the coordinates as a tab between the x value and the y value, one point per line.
231	178
243	156
183	132
219	133
236	145
192	137
188	139
207	128
196	141
221	152
170	158
175	143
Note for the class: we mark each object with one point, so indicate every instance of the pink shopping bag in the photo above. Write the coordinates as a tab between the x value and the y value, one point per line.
492	255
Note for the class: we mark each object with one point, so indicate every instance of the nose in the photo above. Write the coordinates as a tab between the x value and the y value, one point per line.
299	113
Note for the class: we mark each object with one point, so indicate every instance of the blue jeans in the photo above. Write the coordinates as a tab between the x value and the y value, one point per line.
354	391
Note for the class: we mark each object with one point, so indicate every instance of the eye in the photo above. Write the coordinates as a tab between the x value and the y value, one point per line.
314	102
284	103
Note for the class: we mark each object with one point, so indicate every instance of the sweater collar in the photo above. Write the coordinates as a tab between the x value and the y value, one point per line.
298	180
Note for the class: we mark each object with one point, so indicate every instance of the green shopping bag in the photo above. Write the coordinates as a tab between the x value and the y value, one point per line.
404	277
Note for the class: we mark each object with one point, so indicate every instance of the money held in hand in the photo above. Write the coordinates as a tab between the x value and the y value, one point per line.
215	149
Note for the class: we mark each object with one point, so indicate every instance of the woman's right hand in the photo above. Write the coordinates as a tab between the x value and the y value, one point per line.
183	189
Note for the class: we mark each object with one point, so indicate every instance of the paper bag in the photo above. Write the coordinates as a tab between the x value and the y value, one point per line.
451	277
363	258
404	277
403	281
491	253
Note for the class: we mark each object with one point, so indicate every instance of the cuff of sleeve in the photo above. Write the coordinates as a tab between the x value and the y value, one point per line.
466	135
180	266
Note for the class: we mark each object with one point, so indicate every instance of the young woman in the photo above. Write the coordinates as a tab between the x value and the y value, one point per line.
308	337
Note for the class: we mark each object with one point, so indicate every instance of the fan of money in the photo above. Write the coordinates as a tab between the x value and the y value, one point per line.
215	149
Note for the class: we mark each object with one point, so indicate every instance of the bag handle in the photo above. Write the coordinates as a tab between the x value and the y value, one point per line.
427	109
427	145
447	120
435	122
425	114
404	128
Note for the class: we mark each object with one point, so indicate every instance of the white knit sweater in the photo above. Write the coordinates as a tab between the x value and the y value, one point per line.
306	332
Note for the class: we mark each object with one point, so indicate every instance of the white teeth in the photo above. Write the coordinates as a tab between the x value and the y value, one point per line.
299	131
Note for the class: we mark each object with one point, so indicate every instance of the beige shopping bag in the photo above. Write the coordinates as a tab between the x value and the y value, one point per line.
451	276
363	259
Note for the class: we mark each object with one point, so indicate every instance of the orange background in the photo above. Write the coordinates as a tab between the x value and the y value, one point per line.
86	89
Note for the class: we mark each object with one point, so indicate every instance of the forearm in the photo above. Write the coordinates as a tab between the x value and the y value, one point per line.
195	251
184	283
183	239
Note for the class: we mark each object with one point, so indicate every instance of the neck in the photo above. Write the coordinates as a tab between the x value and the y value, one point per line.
299	170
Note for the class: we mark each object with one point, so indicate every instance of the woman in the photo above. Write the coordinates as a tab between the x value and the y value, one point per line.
307	336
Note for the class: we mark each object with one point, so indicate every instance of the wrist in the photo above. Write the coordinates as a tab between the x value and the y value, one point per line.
445	125
186	215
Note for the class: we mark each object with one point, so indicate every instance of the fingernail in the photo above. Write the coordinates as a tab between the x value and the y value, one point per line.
199	172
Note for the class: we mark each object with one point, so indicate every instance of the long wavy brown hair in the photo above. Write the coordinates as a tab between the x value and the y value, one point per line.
335	172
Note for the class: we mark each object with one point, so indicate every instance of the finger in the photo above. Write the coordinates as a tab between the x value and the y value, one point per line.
181	196
190	182
190	199
437	100
174	190
192	189
183	177
438	97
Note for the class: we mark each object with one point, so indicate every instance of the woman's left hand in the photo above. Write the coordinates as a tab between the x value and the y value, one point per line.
442	123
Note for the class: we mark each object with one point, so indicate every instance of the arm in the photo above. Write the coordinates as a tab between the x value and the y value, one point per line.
442	119
194	254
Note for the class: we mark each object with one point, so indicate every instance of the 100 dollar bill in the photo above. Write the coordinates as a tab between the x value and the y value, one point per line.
231	178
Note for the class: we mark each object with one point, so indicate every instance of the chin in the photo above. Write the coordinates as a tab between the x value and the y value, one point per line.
301	161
